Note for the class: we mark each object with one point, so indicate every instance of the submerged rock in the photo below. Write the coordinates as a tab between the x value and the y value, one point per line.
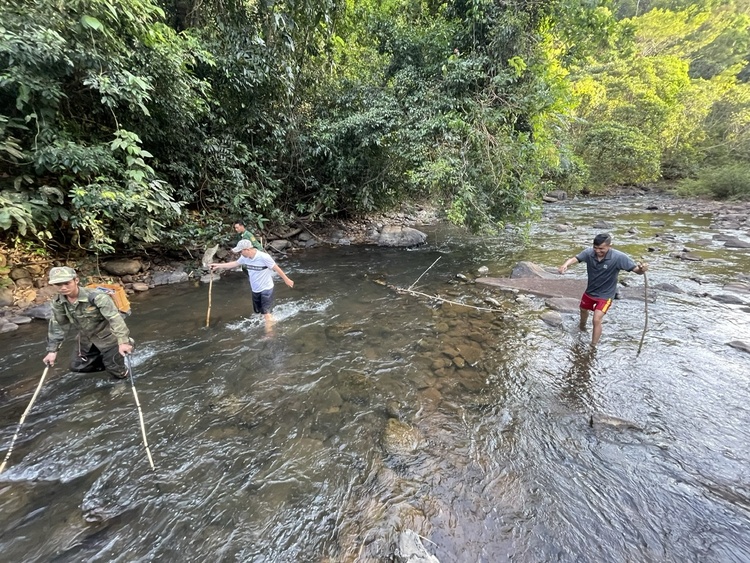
600	419
400	438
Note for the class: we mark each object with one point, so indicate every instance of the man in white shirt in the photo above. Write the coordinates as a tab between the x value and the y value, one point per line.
259	267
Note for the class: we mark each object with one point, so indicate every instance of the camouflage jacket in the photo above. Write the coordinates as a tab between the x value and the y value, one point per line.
100	323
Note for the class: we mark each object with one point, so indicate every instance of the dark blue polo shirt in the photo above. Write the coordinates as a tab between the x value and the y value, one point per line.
603	274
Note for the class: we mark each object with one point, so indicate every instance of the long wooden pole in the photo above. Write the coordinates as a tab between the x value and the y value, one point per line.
208	256
23	417
645	322
140	412
210	289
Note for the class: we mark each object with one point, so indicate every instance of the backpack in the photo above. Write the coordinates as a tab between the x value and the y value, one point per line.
115	291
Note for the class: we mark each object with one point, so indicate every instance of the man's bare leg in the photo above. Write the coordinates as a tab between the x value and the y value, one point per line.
270	321
597	331
584	319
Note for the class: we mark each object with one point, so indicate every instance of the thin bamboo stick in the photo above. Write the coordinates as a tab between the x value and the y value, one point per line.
23	417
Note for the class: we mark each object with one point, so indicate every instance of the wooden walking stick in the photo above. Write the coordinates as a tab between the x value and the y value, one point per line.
207	257
23	417
645	322
210	288
140	413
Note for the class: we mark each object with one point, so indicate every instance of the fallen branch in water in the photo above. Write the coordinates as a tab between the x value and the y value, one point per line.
423	273
410	291
436	297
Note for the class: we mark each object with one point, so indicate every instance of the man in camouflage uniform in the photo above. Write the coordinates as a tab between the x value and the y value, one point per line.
103	336
239	228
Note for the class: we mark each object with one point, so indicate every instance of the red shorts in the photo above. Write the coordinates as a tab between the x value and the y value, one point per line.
594	303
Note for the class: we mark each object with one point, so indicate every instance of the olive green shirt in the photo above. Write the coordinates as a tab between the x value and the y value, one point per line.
247	235
100	323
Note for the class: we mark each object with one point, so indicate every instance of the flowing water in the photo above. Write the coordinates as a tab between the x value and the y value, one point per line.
368	412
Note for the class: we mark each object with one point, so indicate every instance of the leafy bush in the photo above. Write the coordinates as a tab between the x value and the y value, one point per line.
723	182
617	154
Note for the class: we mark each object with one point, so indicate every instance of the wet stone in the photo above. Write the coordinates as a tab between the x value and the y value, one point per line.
668	287
450	352
431	395
736	243
438	364
563	304
738	287
552	318
728	299
471	354
740	345
688	256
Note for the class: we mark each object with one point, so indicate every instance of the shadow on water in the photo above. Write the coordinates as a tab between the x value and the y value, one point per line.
368	412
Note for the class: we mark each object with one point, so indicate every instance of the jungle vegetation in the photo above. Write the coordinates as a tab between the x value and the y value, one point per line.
127	124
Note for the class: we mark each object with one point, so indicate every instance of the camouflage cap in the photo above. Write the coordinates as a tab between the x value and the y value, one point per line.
242	245
61	274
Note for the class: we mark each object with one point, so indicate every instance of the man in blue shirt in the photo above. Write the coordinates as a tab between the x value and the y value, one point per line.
603	264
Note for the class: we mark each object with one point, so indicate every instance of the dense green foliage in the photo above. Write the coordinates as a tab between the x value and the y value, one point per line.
677	98
140	122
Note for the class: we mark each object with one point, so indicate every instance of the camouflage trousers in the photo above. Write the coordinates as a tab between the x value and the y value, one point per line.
88	358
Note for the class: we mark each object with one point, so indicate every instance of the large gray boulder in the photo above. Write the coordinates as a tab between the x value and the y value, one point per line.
166	278
43	311
123	266
395	235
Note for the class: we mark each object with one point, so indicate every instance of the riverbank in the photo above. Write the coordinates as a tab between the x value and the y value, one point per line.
25	292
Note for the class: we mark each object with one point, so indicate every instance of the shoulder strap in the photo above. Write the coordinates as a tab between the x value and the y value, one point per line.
92	295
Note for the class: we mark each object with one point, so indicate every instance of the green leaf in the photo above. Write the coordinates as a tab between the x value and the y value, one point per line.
91	23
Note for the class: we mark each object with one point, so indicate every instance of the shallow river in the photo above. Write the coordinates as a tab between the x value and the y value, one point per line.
352	422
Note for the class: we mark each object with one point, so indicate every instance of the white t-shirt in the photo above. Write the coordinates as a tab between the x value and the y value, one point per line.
259	270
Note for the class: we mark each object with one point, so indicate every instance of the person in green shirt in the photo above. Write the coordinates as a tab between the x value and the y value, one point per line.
103	336
239	227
